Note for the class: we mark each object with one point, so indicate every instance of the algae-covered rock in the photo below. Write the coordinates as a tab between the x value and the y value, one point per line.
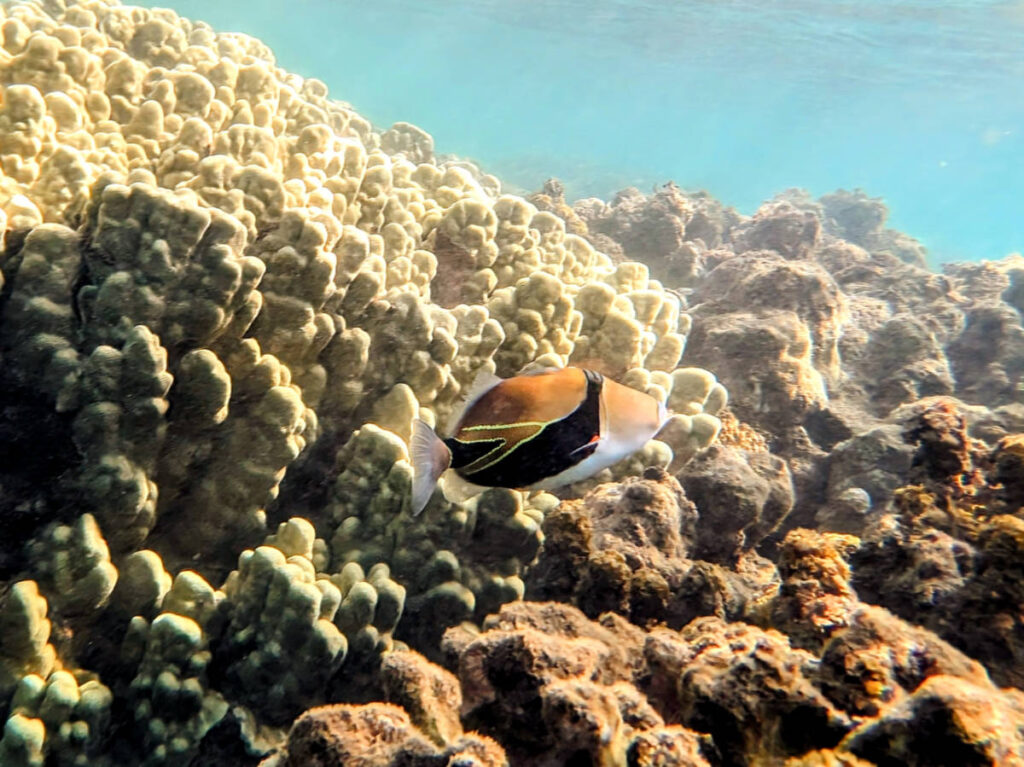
878	659
740	497
947	721
375	735
550	684
754	693
624	547
428	693
666	745
815	598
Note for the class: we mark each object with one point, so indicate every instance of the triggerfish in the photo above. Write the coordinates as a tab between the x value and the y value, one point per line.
536	431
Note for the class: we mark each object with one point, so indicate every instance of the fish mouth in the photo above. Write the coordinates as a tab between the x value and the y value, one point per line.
663	415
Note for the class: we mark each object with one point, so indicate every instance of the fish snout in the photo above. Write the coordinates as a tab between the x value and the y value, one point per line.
663	415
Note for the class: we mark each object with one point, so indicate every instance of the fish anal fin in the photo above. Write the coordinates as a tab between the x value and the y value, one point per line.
430	457
458	489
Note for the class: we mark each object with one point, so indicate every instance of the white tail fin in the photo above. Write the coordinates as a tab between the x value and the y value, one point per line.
430	457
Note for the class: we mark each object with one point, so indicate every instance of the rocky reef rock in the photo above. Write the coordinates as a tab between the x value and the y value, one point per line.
741	498
557	688
815	598
670	230
553	686
947	721
374	735
631	548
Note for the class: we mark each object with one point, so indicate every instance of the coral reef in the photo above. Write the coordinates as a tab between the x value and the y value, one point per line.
225	298
634	548
556	688
217	283
375	735
946	721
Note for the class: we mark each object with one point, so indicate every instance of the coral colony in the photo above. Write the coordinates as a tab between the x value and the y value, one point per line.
227	298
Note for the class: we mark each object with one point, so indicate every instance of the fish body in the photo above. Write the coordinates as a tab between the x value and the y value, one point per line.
537	431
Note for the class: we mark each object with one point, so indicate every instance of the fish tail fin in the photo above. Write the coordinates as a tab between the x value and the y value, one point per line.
430	457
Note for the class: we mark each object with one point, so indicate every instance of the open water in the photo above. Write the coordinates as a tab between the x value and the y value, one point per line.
920	102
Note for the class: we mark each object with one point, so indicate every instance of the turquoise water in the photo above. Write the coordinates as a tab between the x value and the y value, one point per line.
917	101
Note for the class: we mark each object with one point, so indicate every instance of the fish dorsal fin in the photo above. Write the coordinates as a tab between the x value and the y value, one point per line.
485	381
538	368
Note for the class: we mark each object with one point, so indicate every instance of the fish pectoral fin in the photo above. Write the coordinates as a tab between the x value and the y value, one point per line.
430	457
588	447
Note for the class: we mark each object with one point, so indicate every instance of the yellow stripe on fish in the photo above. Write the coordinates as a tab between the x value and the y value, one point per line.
509	437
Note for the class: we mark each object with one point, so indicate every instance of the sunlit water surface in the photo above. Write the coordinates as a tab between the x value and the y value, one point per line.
917	101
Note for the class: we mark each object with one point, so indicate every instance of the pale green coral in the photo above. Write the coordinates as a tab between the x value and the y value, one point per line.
202	390
371	491
224	492
168	697
281	643
371	606
409	140
24	125
479	336
38	326
497	531
23	742
466	249
22	213
413	343
119	430
629	321
73	566
299	278
695	391
142	584
537	318
370	599
396	411
192	597
25	629
158	258
75	717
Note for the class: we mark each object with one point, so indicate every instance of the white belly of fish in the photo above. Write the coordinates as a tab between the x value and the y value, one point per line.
607	454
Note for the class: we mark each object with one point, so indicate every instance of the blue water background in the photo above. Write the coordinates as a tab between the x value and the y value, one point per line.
920	102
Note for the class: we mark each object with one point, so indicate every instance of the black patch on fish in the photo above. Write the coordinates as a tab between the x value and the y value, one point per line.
558	446
464	453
